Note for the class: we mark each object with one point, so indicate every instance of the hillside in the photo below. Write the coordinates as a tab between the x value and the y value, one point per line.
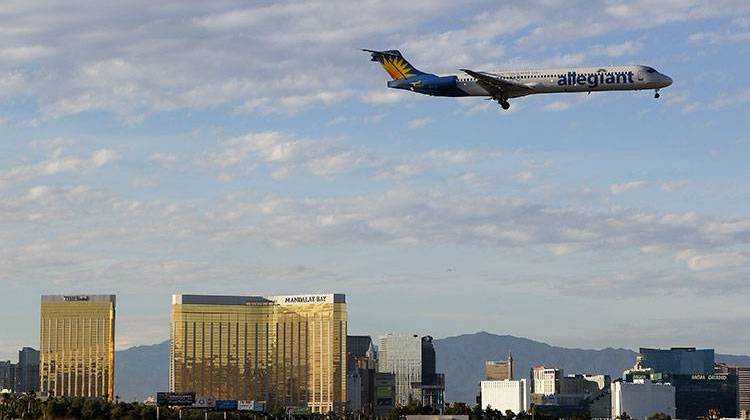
143	370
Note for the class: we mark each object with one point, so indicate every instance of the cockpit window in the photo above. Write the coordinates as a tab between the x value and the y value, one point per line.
650	70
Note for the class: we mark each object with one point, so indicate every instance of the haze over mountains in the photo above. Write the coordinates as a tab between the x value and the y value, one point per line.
143	370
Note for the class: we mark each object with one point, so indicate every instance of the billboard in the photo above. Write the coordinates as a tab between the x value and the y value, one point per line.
175	398
226	405
251	405
383	392
204	402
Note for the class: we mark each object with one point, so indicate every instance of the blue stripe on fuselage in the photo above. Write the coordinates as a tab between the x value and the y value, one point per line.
430	84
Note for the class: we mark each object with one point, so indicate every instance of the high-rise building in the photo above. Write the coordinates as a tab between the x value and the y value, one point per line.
499	370
703	396
401	354
433	383
743	383
7	376
743	379
361	364
702	390
27	370
642	399
412	360
545	381
286	350
358	345
77	341
505	395
677	361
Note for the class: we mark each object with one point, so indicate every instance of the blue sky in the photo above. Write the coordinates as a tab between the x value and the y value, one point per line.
239	148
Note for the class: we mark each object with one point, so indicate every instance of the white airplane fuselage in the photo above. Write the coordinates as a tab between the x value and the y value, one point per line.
583	79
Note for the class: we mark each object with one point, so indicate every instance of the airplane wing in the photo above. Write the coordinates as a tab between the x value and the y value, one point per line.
498	87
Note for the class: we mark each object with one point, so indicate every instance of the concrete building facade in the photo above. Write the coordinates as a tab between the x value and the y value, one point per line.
545	381
642	399
505	395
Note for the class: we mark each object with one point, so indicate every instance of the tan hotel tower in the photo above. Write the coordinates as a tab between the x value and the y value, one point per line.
285	350
77	341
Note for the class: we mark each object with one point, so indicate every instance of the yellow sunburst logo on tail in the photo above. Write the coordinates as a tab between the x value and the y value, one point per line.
397	67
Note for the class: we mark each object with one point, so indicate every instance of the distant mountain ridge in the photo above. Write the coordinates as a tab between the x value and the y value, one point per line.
462	359
142	371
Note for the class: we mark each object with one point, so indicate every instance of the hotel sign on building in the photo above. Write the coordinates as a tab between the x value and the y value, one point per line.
286	350
77	342
306	299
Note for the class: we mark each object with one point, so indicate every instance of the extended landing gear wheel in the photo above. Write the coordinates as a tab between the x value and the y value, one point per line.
502	101
656	94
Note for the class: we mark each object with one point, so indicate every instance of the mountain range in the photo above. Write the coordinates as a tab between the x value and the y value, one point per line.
143	370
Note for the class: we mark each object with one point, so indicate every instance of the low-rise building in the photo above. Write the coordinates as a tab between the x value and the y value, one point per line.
385	394
545	381
7	376
505	395
642	399
27	370
583	384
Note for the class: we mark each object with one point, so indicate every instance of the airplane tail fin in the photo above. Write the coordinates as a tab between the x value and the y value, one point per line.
394	63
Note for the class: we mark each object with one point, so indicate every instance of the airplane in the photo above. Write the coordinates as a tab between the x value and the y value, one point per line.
504	85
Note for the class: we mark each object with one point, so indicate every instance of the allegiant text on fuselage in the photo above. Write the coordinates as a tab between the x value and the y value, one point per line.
596	79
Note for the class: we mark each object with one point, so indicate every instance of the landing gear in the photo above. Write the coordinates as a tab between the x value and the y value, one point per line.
656	94
502	101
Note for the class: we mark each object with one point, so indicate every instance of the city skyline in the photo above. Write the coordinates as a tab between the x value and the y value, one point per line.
191	148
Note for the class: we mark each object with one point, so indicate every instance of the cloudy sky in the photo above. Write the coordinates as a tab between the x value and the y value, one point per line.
150	148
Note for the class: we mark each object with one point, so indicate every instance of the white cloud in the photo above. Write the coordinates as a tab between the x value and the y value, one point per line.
22	53
420	122
383	96
283	153
557	106
714	261
334	163
672	186
721	101
432	160
567	103
626	187
730	99
719	37
624	48
456	156
524	176
57	165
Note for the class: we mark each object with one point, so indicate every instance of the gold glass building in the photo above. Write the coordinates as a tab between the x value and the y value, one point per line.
499	370
285	350
77	341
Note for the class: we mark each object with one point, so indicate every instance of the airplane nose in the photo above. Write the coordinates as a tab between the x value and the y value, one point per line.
667	80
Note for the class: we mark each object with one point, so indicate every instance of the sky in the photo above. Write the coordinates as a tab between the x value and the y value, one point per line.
232	147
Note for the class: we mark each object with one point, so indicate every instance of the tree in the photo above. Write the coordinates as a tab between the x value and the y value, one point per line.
477	412
660	416
623	416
